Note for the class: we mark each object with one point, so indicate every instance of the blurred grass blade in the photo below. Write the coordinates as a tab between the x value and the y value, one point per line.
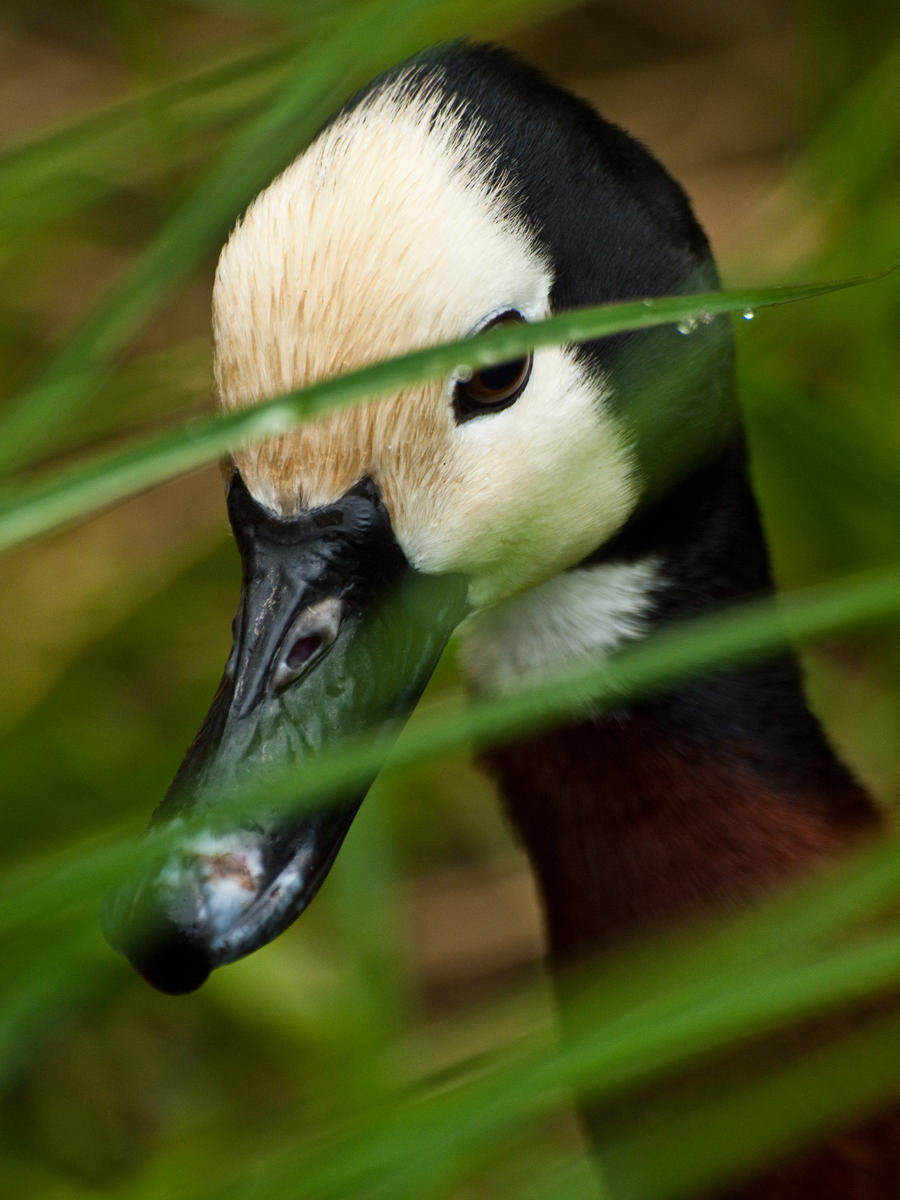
846	158
29	897
41	507
689	1005
725	638
426	1141
287	1076
379	32
824	440
28	165
668	656
712	1139
854	148
46	191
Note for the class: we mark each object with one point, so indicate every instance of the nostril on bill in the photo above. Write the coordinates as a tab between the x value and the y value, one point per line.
302	651
311	633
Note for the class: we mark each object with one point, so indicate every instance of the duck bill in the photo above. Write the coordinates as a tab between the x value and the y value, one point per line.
335	636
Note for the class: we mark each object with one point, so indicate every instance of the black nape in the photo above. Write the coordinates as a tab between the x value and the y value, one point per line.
709	542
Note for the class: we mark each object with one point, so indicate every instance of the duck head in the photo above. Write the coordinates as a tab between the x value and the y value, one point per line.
458	191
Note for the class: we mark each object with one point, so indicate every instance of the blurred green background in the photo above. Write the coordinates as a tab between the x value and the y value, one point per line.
134	132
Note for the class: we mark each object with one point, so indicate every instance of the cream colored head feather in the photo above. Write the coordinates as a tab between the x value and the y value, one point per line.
384	236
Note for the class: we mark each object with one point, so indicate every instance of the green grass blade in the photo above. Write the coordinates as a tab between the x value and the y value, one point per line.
380	32
427	1140
26	164
691	1005
43	506
668	656
731	1130
319	78
858	145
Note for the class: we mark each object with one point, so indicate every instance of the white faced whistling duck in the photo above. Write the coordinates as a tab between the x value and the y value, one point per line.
564	503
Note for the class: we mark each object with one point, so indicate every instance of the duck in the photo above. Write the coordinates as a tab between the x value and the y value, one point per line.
550	509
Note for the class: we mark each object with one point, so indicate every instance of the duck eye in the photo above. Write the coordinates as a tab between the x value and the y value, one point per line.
492	388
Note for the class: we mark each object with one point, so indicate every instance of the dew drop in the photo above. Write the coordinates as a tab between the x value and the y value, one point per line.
688	325
748	314
705	318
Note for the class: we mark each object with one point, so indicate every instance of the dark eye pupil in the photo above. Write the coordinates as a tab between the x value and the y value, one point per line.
499	380
492	388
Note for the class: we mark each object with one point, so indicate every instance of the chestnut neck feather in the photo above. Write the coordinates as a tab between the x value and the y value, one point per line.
694	800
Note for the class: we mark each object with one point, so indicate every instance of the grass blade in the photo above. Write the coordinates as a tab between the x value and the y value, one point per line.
380	32
41	507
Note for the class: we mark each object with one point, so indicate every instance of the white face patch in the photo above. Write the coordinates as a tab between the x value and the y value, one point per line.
538	486
586	613
383	237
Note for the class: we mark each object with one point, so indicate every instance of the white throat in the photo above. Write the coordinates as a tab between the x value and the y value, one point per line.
581	614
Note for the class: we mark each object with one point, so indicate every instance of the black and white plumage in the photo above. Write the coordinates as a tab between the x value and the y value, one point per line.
560	505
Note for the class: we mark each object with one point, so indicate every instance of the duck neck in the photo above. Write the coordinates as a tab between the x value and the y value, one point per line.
686	802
